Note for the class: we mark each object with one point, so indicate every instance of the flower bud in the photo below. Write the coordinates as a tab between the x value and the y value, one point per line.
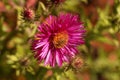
57	1
24	61
28	14
77	62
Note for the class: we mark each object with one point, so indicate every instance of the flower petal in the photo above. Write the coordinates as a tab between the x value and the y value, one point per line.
48	57
58	58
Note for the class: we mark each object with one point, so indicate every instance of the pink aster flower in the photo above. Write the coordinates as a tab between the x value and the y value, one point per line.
58	38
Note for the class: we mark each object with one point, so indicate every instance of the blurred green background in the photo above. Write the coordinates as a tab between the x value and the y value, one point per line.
100	53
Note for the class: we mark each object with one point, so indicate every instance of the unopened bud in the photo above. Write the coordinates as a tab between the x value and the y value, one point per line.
77	62
28	14
57	1
24	61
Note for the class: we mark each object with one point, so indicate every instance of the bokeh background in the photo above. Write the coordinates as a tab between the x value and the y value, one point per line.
99	56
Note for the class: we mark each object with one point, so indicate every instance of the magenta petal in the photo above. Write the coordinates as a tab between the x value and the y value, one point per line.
65	58
71	53
58	59
44	52
40	44
45	46
53	60
48	57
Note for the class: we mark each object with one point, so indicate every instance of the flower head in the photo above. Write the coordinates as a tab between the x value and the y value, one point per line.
58	38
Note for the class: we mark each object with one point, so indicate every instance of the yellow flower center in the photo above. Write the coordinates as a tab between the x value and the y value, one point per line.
60	39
